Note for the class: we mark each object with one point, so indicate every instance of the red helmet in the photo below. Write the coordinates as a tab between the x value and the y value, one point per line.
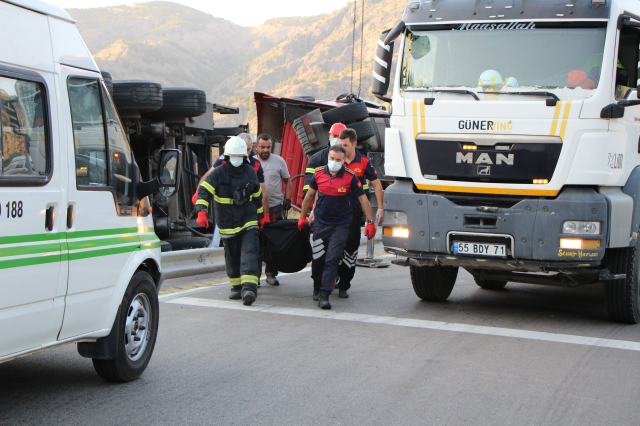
337	128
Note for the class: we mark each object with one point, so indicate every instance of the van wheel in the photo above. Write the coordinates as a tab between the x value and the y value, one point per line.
182	102
622	296
364	130
137	96
490	284
346	114
137	332
433	283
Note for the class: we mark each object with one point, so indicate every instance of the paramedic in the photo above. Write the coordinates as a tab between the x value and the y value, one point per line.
319	159
235	192
331	187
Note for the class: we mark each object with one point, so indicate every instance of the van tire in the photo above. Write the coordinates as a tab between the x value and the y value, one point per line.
123	368
490	284
346	114
182	102
364	130
108	81
433	283
622	296
137	96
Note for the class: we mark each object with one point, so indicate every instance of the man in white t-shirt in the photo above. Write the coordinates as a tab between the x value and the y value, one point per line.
275	173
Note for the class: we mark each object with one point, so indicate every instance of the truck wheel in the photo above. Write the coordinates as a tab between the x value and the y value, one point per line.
433	283
346	114
108	81
622	296
182	102
490	284
137	332
364	130
137	96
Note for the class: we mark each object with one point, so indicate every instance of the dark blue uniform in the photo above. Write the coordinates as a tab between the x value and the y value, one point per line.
333	214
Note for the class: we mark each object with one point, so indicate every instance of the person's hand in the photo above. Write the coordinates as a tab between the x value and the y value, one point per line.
286	205
379	216
265	219
301	222
370	231
312	217
202	219
194	199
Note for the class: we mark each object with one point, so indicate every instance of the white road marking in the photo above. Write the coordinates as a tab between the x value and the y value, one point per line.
414	323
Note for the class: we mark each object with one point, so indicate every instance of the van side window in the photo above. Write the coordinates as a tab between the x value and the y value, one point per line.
23	148
119	154
88	132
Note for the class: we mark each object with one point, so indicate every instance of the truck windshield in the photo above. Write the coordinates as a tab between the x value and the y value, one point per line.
505	60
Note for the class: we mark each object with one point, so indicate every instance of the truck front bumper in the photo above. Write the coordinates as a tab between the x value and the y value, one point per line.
530	227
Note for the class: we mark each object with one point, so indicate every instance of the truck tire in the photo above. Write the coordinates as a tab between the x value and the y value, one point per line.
108	81
364	130
622	296
433	283
182	102
490	284
346	114
138	320
137	96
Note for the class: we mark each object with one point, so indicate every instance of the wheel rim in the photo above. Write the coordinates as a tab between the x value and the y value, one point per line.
136	328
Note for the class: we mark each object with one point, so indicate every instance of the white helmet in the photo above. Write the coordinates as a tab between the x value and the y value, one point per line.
235	147
491	80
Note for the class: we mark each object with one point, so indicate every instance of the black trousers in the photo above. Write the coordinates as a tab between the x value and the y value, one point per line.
241	257
328	247
275	213
347	268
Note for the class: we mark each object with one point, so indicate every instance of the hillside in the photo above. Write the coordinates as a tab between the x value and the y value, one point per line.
179	46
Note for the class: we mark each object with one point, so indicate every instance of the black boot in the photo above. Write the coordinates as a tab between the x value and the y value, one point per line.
316	296
324	300
248	297
342	294
235	292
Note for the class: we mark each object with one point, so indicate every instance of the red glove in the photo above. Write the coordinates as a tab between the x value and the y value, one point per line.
301	222
370	231
194	198
265	219
202	219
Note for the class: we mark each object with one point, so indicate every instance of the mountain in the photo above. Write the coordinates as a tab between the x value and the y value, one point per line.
176	45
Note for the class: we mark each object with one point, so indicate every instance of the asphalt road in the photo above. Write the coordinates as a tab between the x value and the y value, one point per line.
524	355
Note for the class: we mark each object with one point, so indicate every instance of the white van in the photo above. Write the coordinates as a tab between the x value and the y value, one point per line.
79	260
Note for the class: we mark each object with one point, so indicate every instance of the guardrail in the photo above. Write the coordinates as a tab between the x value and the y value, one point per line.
186	263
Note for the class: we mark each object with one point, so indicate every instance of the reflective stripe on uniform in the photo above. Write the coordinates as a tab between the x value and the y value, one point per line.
261	210
365	186
251	279
208	187
305	188
311	170
235	281
223	200
257	194
236	230
202	203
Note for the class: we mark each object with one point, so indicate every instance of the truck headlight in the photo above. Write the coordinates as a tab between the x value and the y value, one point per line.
394	218
581	228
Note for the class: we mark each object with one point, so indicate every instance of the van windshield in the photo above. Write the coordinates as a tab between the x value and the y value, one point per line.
493	60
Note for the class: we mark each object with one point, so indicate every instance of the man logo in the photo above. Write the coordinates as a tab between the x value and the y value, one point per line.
484	170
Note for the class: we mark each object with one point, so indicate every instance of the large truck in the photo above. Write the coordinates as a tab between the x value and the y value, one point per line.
514	143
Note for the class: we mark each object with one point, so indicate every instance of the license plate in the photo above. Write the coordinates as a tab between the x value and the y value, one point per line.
480	249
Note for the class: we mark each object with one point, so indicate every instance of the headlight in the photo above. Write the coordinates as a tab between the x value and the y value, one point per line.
397	218
581	228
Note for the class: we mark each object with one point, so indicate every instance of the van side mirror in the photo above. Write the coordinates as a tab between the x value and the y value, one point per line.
382	68
168	180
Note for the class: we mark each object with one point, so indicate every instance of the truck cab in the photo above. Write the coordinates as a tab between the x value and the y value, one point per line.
514	145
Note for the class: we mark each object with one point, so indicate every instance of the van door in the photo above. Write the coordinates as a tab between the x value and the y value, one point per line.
105	226
32	220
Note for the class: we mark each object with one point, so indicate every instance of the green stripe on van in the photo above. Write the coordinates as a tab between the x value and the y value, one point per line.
78	245
103	252
101	232
30	261
32	238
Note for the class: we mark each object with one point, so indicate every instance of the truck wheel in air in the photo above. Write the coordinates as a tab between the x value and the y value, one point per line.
622	296
137	96
346	114
433	283
108	81
364	129
137	332
490	284
182	102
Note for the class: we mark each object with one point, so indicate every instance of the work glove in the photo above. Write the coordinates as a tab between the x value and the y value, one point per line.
265	219
286	205
370	231
301	222
202	219
194	199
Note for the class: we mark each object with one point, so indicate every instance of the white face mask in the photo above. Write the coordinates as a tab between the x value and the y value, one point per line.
334	141
334	166
236	161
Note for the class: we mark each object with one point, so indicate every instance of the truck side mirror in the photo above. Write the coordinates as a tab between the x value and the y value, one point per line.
382	68
168	180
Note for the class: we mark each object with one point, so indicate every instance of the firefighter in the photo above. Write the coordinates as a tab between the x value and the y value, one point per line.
364	170
319	159
236	194
331	186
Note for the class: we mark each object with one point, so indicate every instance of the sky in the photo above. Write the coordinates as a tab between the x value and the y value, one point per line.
248	13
